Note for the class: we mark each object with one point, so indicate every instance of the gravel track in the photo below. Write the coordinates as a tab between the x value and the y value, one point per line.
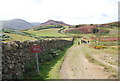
76	66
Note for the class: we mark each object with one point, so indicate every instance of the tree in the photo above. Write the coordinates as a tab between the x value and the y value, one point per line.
91	24
77	26
95	31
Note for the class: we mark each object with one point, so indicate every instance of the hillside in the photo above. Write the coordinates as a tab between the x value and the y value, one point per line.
115	23
53	22
16	24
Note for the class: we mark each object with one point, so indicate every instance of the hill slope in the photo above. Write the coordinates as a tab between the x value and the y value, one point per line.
52	22
16	24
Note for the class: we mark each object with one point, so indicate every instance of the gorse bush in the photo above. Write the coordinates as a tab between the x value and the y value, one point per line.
4	37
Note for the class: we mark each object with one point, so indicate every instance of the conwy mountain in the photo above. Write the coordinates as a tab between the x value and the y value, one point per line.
17	24
53	22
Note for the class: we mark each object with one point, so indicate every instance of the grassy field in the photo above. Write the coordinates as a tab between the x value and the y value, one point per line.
16	37
53	32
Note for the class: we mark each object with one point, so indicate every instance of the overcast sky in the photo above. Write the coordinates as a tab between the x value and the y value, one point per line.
69	11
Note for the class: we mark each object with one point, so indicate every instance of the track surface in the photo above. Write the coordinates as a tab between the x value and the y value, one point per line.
76	66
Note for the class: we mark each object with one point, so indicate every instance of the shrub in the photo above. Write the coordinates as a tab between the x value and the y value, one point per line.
5	36
99	47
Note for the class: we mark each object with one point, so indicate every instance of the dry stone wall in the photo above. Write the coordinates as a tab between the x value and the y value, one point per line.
15	55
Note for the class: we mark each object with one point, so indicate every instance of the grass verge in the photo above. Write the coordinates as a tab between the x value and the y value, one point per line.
50	70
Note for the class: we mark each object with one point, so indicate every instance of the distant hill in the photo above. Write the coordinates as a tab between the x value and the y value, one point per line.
111	24
53	22
115	23
17	24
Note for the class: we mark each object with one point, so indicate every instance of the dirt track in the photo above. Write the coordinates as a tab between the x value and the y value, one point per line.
76	66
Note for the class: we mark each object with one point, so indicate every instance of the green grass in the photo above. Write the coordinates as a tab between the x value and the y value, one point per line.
53	32
51	69
16	37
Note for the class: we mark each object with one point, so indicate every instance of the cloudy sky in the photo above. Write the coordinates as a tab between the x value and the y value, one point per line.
70	11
